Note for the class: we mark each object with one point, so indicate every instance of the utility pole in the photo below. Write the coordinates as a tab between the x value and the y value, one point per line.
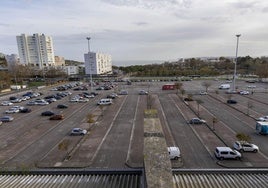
90	67
237	36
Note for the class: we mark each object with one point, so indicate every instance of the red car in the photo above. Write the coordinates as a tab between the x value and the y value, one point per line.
57	117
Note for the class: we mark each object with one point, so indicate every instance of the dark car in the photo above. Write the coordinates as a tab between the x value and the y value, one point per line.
94	93
25	110
197	121
62	106
231	101
56	117
6	119
47	113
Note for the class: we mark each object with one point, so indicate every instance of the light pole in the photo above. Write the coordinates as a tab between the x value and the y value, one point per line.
90	68
237	36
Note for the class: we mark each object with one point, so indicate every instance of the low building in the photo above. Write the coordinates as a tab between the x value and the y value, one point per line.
71	70
59	61
98	63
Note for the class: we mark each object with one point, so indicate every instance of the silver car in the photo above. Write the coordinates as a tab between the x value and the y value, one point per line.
78	131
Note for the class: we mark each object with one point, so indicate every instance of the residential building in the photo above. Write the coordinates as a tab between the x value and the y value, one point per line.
98	63
59	61
36	50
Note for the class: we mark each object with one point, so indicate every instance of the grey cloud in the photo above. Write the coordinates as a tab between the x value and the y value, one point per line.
4	24
265	10
245	5
217	19
151	4
141	23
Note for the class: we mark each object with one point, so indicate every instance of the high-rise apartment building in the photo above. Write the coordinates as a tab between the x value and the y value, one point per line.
36	50
98	63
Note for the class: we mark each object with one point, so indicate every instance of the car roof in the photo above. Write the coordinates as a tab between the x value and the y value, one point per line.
224	148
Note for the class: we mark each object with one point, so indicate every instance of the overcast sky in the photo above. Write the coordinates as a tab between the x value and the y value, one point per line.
132	30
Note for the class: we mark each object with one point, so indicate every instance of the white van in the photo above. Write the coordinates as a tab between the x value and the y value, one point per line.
226	153
105	102
224	86
174	153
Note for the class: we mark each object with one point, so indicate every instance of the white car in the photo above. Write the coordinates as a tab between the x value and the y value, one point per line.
245	146
6	103
78	131
264	118
244	92
251	86
83	100
12	111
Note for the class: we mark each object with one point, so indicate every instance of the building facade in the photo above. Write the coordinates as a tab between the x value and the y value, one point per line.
98	63
36	50
59	61
71	70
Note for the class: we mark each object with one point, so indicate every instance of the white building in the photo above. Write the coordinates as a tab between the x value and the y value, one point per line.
36	50
71	70
98	63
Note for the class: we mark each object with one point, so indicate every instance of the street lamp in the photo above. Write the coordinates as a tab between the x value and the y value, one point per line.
237	36
90	68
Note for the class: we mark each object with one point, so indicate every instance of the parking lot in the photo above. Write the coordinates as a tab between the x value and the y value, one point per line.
114	137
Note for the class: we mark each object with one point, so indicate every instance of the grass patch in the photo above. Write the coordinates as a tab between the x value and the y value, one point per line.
150	113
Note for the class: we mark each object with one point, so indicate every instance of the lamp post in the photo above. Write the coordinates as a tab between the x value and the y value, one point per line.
90	68
237	36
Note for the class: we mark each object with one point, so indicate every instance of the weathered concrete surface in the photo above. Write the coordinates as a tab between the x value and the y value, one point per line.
156	160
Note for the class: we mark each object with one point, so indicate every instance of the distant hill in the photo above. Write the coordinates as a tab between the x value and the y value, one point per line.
136	62
72	63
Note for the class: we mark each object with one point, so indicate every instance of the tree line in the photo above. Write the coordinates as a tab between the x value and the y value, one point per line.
195	66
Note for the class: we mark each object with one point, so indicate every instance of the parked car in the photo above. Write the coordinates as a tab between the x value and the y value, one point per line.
245	146
105	102
244	92
12	111
143	92
31	103
6	103
188	99
25	110
174	153
47	113
231	101
197	121
264	118
74	99
203	93
56	117
83	100
16	100
112	96
226	153
78	131
123	92
6	118
62	106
